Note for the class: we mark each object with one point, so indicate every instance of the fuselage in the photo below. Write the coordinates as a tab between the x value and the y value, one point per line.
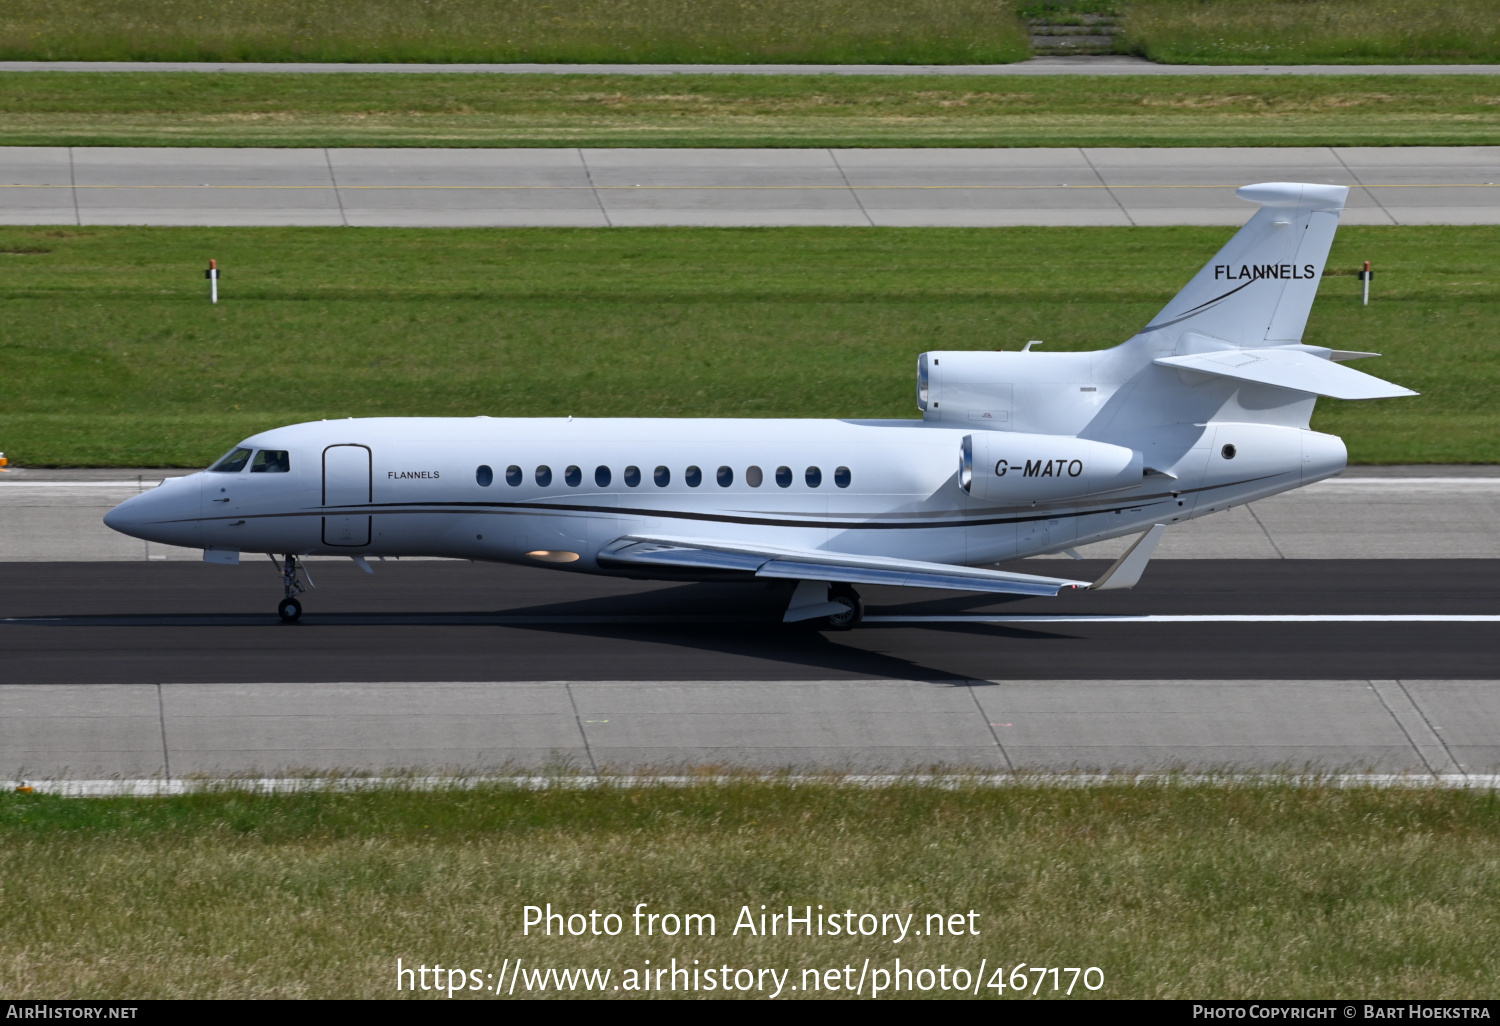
555	491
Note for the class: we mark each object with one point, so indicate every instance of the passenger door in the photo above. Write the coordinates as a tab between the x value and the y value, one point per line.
347	473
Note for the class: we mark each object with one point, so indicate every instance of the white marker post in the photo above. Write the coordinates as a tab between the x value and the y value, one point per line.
212	274
1365	277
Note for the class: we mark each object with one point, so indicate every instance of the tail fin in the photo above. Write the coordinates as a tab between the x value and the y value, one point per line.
1258	290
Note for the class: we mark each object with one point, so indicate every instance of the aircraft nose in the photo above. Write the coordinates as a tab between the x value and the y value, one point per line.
117	518
167	513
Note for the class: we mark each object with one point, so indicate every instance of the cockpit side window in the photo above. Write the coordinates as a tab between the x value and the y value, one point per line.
271	461
232	462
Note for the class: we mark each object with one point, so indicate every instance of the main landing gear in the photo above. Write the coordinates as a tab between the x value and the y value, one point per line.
291	567
854	609
825	606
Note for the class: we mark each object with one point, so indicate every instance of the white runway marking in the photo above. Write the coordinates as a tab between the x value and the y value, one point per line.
79	484
1423	484
1198	618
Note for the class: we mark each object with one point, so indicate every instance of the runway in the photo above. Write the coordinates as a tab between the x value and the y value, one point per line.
140	669
1239	650
728	187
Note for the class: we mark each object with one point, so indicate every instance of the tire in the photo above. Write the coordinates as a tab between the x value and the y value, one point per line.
290	610
848	597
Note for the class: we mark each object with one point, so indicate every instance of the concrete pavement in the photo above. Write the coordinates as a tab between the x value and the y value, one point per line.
1425	728
728	187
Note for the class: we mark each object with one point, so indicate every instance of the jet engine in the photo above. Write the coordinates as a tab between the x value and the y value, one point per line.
1006	466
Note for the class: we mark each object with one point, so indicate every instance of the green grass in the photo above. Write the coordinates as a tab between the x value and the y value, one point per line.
164	109
738	31
1173	890
566	31
1312	31
112	355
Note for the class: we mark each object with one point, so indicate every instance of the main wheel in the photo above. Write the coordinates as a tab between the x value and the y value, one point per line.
290	610
849	598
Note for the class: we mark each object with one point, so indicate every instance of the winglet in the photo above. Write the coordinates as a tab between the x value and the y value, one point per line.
1127	570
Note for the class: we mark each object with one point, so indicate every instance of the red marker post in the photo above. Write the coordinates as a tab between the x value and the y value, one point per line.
212	274
1365	277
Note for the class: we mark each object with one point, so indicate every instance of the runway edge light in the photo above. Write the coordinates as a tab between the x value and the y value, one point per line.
24	787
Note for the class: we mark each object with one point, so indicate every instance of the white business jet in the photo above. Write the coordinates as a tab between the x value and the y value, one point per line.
1017	454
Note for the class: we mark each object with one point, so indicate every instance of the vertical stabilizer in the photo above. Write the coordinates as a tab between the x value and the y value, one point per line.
1258	289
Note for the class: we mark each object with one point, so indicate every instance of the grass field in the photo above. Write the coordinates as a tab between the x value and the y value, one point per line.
112	355
737	31
1178	891
163	109
567	31
1311	31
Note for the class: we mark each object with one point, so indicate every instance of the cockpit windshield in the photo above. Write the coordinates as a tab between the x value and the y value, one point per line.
271	461
232	462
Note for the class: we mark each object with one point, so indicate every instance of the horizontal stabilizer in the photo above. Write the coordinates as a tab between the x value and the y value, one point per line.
799	565
1288	368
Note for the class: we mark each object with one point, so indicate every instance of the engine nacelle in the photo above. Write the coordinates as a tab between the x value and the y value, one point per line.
1012	467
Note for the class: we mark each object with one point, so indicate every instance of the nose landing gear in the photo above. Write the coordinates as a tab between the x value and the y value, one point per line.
290	609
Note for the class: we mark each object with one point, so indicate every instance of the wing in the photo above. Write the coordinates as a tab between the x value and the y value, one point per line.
799	565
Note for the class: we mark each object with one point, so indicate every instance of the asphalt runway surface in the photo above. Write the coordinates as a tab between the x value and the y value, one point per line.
412	187
98	623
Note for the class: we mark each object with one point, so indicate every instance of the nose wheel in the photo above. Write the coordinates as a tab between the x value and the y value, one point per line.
292	572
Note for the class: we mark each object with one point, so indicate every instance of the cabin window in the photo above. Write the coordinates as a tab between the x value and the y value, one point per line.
632	476
753	477
842	477
271	461
485	476
573	476
544	476
814	477
784	477
693	476
232	462
725	477
662	476
513	476
602	477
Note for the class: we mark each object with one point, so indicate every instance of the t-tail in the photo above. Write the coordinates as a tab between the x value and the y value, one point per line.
1242	316
1259	289
1227	348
